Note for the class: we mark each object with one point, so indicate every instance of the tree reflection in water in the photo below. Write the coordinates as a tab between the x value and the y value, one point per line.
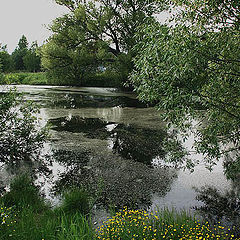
224	207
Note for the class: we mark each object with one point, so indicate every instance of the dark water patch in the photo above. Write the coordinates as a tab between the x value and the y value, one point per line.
111	180
92	127
70	158
139	144
219	204
130	183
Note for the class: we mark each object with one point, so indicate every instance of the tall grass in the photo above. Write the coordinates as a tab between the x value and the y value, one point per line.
34	219
165	224
76	200
26	216
24	194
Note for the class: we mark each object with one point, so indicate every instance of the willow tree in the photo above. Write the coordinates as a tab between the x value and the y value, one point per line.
191	70
95	33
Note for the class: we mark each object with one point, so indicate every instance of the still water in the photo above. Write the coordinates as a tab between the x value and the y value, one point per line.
108	142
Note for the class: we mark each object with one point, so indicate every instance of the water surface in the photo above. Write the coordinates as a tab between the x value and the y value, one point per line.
107	141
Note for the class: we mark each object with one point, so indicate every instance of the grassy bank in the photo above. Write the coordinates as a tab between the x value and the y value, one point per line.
39	78
26	216
105	79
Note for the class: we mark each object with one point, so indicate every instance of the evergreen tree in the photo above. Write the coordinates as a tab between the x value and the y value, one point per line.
19	53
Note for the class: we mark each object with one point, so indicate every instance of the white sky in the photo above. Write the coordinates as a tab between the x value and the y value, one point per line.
28	17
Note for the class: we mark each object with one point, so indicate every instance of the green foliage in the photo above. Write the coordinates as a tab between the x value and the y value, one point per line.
232	168
31	60
93	34
71	66
38	78
19	53
6	61
25	58
191	67
34	219
20	140
76	201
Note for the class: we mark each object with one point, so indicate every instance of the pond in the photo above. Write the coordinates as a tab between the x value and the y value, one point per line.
110	143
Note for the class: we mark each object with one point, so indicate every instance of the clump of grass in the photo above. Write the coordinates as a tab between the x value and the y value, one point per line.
139	224
23	193
74	227
76	201
32	218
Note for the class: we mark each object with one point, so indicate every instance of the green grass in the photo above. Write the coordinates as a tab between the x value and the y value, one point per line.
102	79
47	225
76	201
23	194
25	215
39	78
164	224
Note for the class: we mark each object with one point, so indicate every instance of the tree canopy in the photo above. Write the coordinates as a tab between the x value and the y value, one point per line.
191	70
19	53
6	63
105	28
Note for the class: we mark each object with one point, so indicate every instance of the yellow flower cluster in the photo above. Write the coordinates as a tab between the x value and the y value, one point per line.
6	216
139	224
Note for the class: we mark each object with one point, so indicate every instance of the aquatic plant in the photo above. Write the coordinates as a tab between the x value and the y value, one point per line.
139	224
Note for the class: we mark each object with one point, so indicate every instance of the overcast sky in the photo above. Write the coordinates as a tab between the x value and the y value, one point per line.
28	17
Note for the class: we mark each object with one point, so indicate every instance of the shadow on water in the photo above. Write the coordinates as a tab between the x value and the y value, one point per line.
129	141
75	169
124	176
92	127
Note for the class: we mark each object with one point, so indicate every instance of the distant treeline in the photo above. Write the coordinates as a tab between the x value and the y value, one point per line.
24	58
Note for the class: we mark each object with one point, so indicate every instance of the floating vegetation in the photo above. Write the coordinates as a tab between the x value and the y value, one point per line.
139	224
